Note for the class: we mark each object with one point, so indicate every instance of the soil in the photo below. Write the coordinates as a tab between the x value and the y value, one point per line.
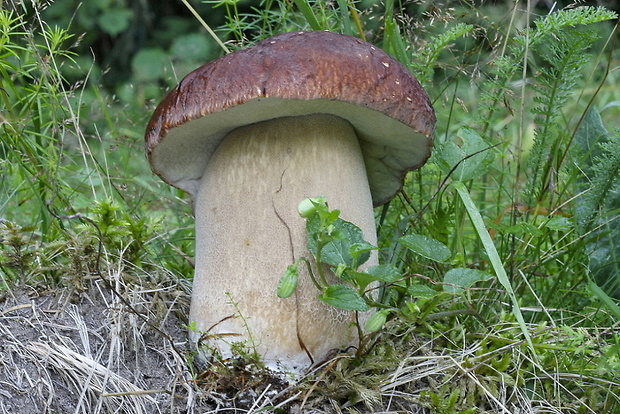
119	346
88	351
83	351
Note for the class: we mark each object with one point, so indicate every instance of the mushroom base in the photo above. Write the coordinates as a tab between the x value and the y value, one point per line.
248	231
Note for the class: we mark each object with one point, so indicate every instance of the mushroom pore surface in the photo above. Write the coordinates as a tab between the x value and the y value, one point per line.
248	230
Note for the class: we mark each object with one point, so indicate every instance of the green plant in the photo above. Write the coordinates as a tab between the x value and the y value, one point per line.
595	150
60	167
533	230
339	245
506	189
34	120
17	253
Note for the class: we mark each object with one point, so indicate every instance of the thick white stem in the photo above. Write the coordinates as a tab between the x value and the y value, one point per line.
248	231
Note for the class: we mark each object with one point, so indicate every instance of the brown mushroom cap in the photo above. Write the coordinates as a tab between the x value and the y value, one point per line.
292	74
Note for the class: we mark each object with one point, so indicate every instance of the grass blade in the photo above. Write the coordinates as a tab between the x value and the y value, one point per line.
206	26
306	10
603	297
343	5
493	255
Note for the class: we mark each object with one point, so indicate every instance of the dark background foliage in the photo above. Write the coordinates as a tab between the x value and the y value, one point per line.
126	38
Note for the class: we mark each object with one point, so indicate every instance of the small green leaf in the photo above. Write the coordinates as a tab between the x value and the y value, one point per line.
150	64
379	273
358	249
193	46
421	291
426	247
337	251
359	279
469	160
462	278
384	273
377	320
343	297
559	224
522	228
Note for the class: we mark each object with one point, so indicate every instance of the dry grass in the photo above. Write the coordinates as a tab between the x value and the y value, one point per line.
89	350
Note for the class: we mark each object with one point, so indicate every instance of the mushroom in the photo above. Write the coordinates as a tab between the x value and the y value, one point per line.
251	134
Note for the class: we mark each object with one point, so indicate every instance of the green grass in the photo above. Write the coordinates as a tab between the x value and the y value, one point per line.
522	186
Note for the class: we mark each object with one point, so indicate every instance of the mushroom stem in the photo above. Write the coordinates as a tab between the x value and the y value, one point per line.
248	230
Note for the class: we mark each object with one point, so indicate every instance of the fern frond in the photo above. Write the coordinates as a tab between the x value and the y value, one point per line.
596	154
600	162
603	204
425	60
571	17
564	55
507	66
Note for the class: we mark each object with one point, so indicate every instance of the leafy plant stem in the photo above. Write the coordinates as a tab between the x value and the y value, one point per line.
319	266
311	274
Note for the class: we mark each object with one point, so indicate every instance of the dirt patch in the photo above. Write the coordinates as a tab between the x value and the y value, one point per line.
85	351
119	346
